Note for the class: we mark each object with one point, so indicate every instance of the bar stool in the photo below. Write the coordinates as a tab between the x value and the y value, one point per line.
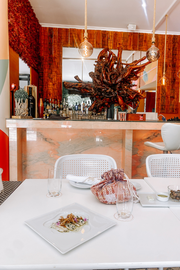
170	134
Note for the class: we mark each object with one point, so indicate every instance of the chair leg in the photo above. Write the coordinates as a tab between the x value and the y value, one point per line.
165	152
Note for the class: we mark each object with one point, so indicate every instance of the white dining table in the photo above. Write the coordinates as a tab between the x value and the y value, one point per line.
150	239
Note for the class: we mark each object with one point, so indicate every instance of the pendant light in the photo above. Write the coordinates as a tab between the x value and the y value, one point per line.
153	53
85	48
164	80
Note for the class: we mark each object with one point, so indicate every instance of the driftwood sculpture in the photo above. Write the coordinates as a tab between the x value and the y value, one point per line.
112	81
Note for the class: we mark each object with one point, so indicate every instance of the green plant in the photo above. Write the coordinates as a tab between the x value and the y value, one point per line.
21	94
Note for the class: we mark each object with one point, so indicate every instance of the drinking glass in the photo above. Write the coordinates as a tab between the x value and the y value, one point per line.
54	183
124	202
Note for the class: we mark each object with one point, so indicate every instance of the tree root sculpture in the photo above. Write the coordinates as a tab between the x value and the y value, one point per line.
112	81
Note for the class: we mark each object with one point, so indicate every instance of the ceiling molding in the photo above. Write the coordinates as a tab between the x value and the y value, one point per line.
108	28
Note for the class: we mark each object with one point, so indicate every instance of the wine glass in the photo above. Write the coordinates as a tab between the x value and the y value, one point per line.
124	202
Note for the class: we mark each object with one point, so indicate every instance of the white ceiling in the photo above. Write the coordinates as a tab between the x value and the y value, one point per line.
109	14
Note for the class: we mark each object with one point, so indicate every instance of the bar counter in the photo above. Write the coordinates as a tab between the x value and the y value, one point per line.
36	144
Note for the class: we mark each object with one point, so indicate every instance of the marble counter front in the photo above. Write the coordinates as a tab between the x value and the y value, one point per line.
35	144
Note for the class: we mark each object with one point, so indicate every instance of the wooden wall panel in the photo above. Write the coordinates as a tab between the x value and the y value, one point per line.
50	82
51	69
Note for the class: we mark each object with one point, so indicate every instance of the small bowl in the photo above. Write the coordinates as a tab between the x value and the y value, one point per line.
174	193
162	196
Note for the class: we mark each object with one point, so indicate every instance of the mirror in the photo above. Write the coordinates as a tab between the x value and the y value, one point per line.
24	74
73	64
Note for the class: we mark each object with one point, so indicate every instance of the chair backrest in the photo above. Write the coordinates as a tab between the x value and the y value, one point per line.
85	165
163	165
171	136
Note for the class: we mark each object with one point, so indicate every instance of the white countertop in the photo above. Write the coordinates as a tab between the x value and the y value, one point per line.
85	124
150	239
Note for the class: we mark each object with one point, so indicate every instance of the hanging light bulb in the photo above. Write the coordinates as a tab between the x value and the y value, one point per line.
85	48
163	81
153	53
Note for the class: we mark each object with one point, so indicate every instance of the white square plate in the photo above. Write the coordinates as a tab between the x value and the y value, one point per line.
150	200
65	242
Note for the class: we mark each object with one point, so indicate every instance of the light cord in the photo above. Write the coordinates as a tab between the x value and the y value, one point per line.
153	38
85	34
165	48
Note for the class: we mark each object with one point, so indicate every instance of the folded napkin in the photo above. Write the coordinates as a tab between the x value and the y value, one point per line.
83	179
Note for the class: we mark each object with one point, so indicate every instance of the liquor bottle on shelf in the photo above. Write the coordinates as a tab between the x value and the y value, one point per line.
45	104
31	104
79	111
64	108
76	111
61	109
55	103
58	110
67	109
86	108
41	107
58	103
52	104
73	111
64	102
83	108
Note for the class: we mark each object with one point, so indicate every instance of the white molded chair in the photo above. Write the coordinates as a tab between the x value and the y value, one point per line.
163	166
85	165
171	138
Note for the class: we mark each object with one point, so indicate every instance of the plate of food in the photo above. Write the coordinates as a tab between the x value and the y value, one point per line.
69	226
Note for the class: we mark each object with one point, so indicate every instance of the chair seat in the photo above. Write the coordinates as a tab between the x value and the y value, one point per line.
158	145
170	134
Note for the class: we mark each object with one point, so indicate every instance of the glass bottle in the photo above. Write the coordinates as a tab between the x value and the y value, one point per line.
31	104
41	107
55	103
76	111
67	110
79	111
45	103
58	103
61	109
